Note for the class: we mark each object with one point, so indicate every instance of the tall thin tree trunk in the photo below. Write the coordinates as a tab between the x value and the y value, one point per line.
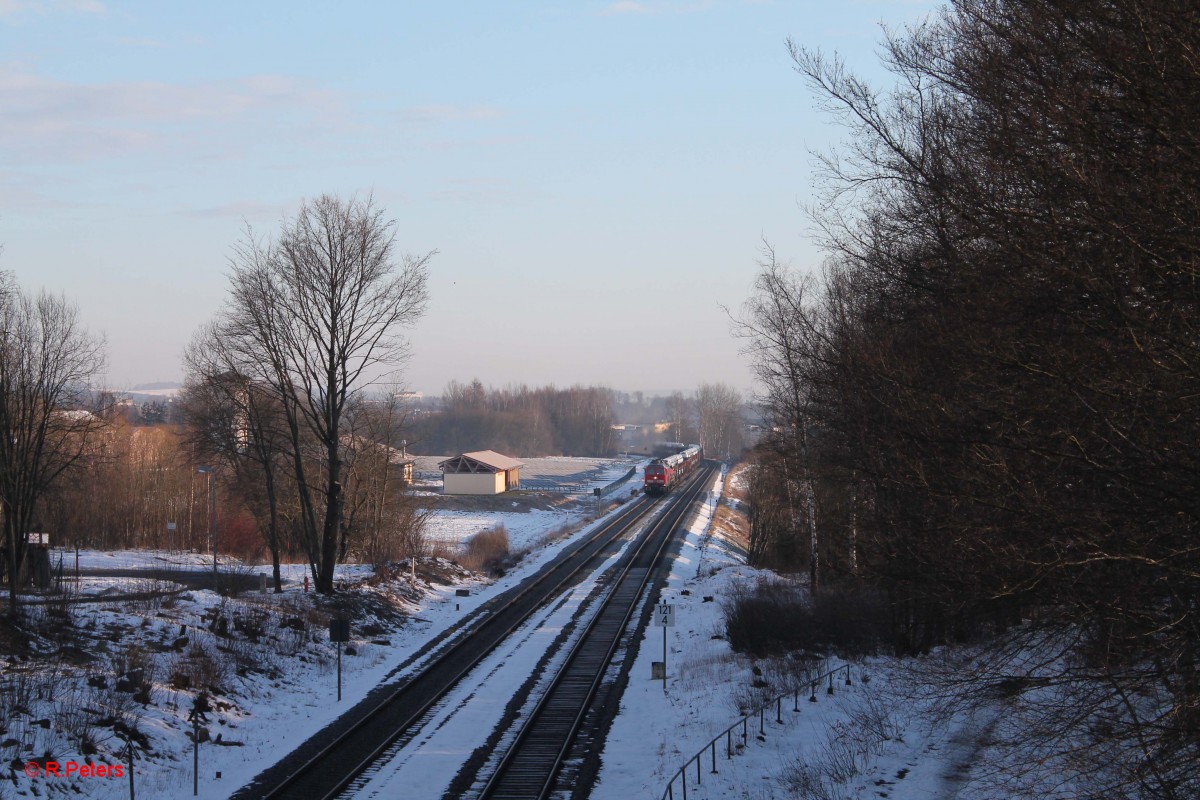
329	539
854	525
12	556
273	530
810	500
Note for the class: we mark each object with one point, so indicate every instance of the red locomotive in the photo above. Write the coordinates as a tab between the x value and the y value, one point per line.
662	474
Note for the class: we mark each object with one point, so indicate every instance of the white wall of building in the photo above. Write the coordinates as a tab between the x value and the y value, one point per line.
473	483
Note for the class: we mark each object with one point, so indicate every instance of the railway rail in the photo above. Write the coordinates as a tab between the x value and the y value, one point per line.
326	765
530	765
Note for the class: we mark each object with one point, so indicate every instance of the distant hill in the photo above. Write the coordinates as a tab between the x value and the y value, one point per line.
153	392
162	387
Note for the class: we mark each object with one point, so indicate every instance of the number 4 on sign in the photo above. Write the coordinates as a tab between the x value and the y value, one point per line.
664	617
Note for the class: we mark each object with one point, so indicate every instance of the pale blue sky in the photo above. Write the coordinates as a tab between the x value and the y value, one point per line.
596	175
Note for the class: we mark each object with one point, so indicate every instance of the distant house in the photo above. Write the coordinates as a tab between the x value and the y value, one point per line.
481	472
405	465
398	461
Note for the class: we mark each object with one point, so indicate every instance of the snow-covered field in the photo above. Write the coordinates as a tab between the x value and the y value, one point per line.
264	712
525	529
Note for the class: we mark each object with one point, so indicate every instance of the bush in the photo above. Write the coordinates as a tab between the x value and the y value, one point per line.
200	667
487	551
774	617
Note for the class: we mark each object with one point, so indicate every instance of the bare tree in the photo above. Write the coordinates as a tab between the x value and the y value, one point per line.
238	423
785	337
314	316
382	518
679	414
719	412
47	364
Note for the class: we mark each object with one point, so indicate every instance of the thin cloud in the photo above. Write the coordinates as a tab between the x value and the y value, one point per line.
15	192
626	7
449	113
245	209
9	8
153	44
655	7
47	118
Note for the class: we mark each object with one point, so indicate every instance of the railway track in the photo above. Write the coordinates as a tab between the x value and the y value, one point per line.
326	765
529	767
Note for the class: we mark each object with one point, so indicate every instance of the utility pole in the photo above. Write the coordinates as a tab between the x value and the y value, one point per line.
212	517
200	708
129	746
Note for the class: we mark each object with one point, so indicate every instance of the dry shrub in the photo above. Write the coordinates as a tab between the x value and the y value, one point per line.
733	525
734	488
401	535
487	551
442	549
200	667
134	660
290	632
826	776
849	750
876	723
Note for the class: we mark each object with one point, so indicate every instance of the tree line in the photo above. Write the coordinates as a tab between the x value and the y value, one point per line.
578	421
519	420
985	402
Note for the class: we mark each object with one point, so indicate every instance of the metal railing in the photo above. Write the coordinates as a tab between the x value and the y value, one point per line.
618	483
680	775
539	485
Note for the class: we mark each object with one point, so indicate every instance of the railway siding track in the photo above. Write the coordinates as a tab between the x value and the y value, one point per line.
530	765
326	764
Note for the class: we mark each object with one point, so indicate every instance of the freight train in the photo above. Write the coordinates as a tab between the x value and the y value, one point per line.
662	474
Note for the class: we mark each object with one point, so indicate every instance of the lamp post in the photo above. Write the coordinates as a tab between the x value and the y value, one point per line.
212	515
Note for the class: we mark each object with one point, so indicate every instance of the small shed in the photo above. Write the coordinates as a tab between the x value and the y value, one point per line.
480	472
403	464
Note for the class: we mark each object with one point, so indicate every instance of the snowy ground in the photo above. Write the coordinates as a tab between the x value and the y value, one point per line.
462	721
709	688
263	714
525	529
